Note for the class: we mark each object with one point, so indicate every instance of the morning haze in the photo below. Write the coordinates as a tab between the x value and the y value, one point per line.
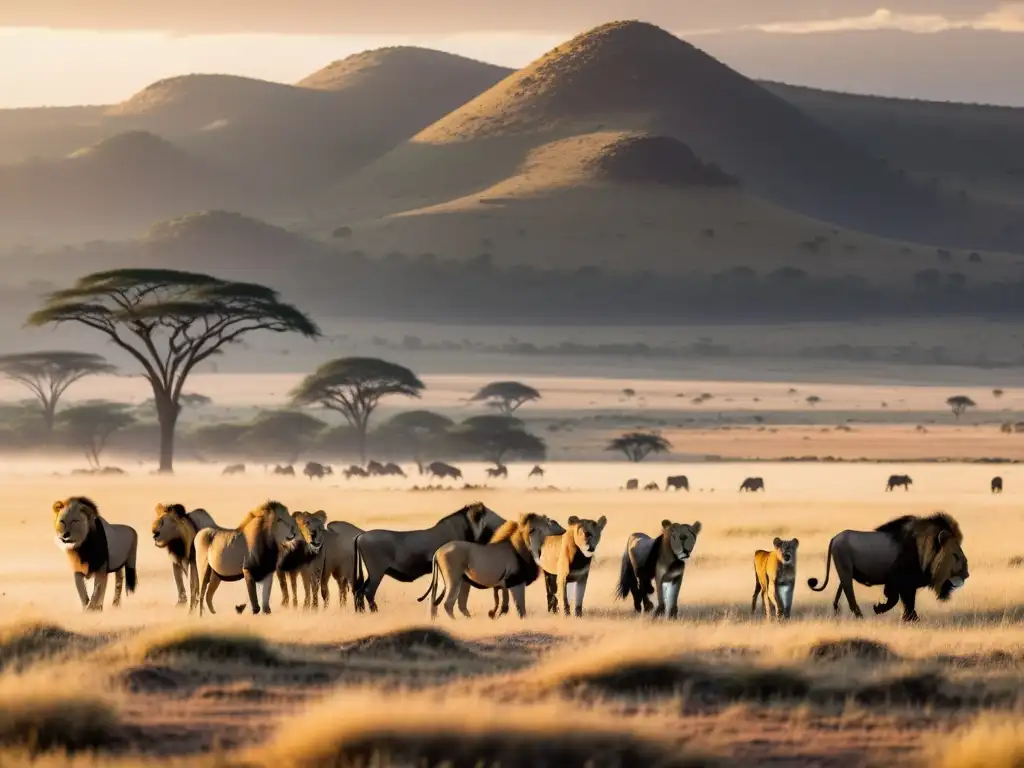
423	314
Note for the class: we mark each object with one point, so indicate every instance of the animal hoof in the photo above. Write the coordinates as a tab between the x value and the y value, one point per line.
239	608
266	610
879	609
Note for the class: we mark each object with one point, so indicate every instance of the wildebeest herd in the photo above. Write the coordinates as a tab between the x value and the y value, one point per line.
474	547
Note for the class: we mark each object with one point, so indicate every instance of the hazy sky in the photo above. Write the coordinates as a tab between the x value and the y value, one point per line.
100	51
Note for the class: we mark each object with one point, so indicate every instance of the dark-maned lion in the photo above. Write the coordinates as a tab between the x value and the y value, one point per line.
407	555
657	565
175	530
509	560
95	549
903	556
250	551
775	578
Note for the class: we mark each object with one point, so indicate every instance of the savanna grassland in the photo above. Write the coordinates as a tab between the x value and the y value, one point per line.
148	684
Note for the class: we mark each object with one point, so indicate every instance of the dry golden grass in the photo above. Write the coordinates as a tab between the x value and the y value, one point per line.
989	742
38	719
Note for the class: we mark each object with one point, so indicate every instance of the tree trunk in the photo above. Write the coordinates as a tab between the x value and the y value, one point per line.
49	416
167	414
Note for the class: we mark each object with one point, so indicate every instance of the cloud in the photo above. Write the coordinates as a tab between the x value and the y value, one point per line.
1009	17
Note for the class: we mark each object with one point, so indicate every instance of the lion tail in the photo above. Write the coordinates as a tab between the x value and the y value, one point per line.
628	583
813	583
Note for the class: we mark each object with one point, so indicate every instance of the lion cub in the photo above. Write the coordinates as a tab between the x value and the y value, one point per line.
775	578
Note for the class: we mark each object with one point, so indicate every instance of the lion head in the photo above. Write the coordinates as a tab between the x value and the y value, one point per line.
74	520
483	522
273	520
939	544
171	525
313	528
681	537
587	533
534	528
786	550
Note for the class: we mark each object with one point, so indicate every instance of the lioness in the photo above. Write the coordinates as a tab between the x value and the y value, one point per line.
299	560
509	560
95	549
775	578
657	565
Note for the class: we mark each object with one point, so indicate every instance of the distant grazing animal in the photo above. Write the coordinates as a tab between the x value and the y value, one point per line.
355	471
775	578
499	471
407	555
509	560
374	468
250	551
632	484
337	560
657	565
315	469
752	484
175	530
537	471
652	486
677	482
997	485
95	549
298	560
441	470
393	470
898	480
234	469
287	470
903	556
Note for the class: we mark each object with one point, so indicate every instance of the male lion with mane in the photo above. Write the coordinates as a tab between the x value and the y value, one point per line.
175	530
903	556
95	549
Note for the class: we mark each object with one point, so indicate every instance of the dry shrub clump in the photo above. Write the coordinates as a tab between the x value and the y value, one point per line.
412	641
211	647
990	742
355	730
851	649
40	722
24	644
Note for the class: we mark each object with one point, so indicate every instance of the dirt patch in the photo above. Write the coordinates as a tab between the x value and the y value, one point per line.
851	648
408	643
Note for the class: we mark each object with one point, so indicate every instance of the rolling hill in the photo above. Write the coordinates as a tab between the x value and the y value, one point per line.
118	185
971	147
631	76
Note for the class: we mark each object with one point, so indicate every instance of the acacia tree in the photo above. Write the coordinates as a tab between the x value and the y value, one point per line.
282	434
959	404
638	445
169	322
495	437
506	396
418	430
354	386
49	374
91	424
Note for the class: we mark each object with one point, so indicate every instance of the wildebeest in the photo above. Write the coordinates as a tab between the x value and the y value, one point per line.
902	556
407	555
355	471
677	482
441	470
499	471
632	484
537	471
234	469
374	468
288	470
898	480
997	485
392	470
752	484
651	486
317	470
